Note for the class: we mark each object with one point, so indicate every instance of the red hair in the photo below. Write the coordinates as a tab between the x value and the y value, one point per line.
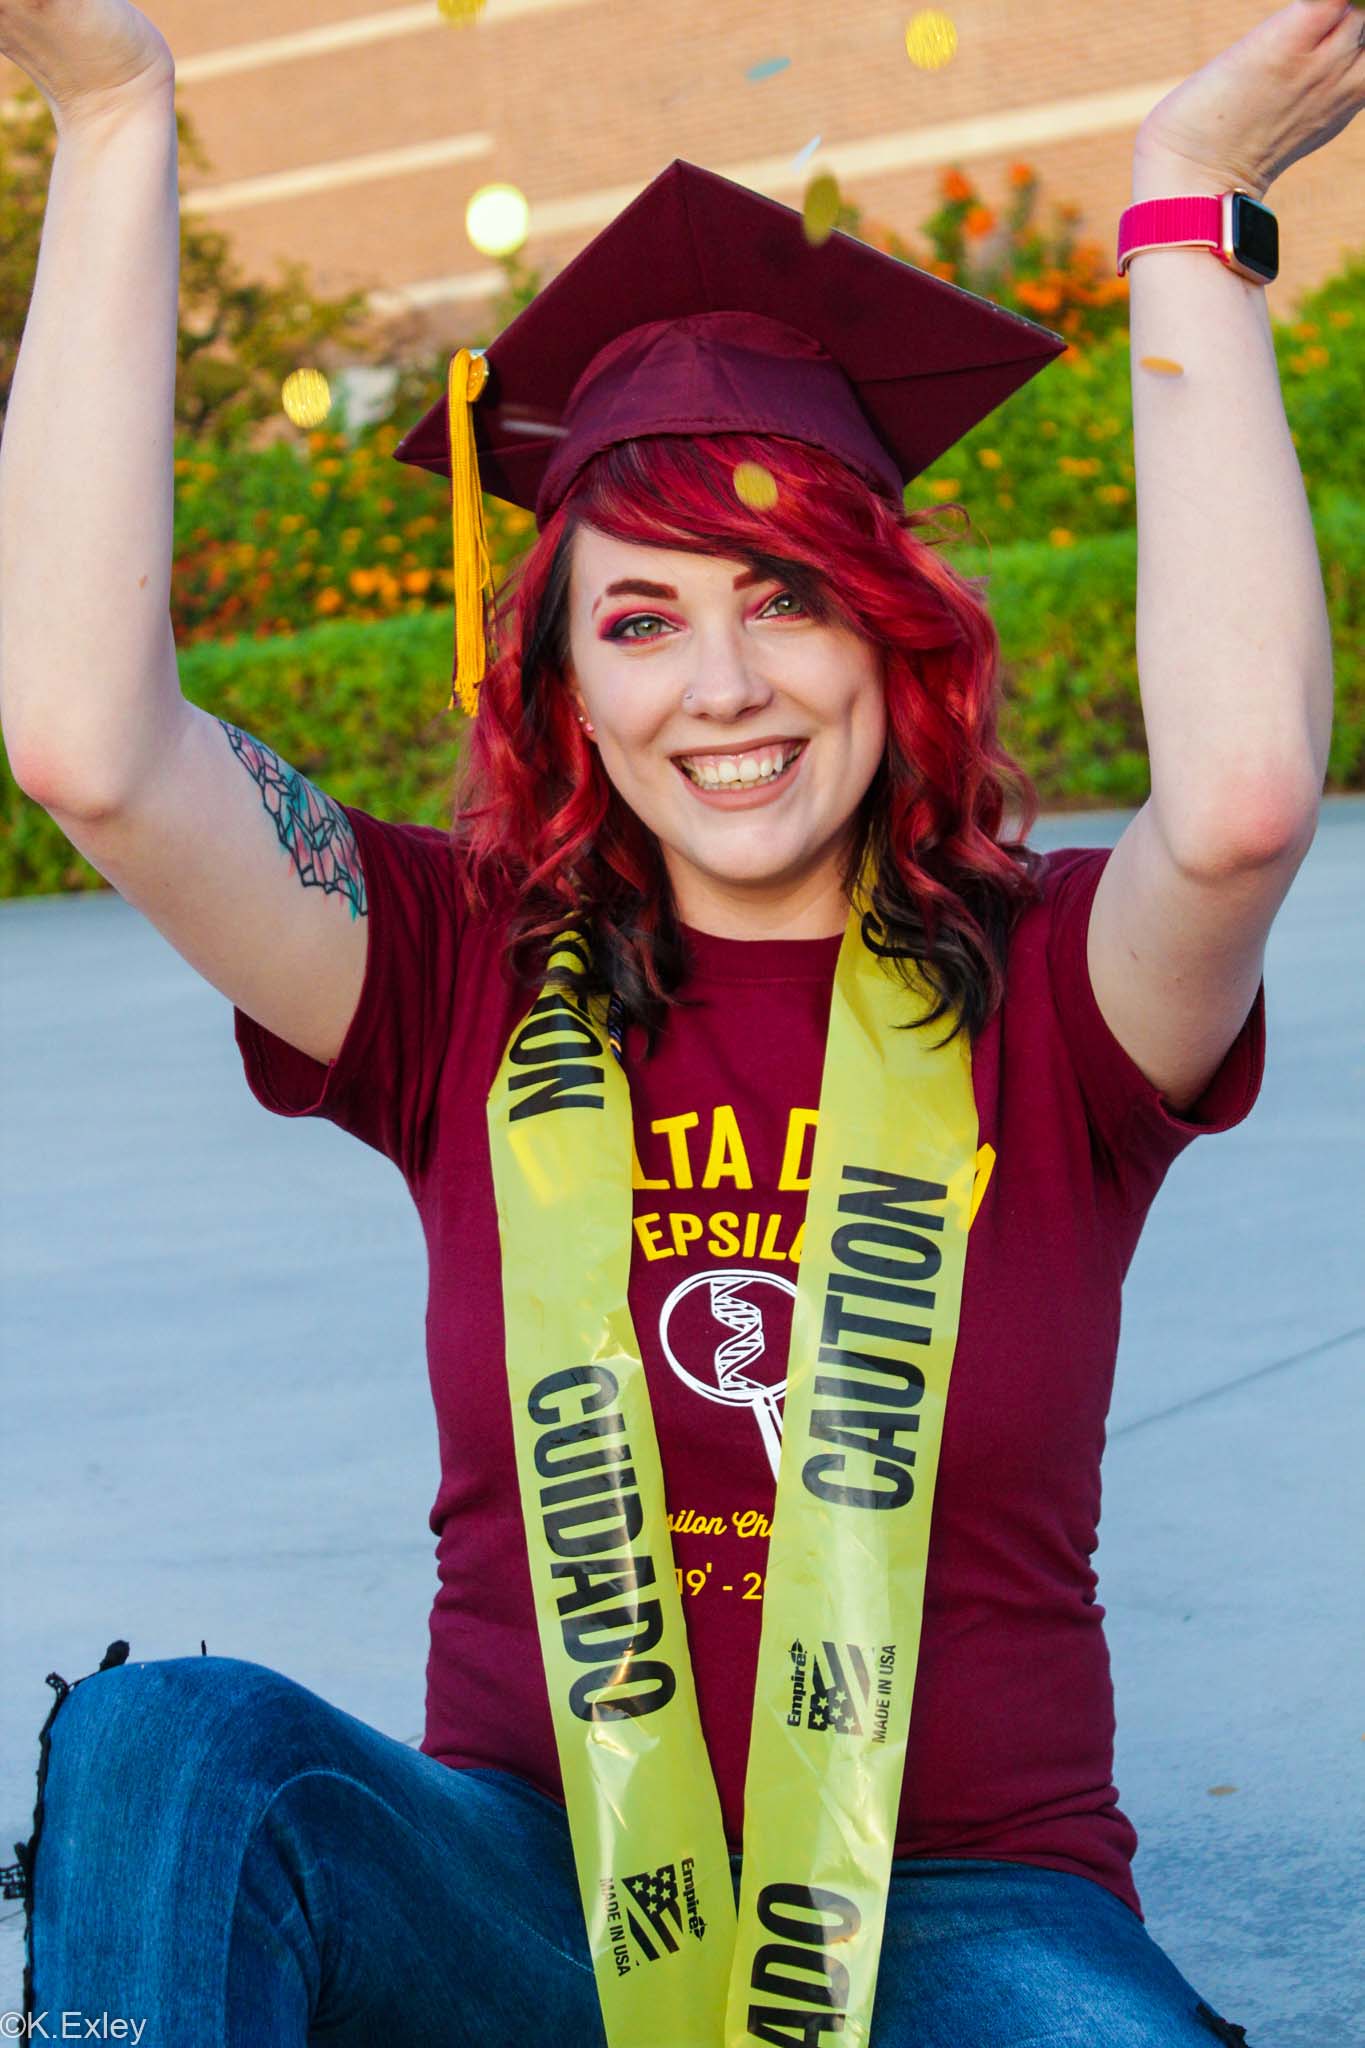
549	843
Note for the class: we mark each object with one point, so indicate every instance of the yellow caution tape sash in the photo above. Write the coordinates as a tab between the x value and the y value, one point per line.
874	1330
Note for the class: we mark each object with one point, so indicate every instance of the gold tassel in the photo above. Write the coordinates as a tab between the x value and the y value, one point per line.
473	571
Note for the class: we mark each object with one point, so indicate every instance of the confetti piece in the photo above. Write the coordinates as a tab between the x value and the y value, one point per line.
769	68
459	10
1162	366
930	39
755	486
497	219
820	209
804	156
1215	1789
306	398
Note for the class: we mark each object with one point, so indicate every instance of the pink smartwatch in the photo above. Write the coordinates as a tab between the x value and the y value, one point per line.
1234	227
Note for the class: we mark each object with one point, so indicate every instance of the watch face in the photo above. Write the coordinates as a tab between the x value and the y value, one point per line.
1255	236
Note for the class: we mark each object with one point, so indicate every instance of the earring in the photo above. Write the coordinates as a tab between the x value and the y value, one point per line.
585	725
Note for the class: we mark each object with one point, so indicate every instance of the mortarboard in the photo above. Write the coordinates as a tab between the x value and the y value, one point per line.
704	308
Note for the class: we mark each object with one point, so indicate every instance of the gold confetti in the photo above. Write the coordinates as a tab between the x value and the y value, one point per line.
497	219
306	398
930	39
459	10
1162	366
755	486
820	209
1216	1789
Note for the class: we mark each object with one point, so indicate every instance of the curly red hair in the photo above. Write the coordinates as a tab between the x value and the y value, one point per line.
548	843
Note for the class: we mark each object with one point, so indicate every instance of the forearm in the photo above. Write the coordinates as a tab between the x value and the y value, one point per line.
87	654
1233	643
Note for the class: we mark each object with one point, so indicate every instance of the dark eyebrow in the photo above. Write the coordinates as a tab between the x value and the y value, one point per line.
635	588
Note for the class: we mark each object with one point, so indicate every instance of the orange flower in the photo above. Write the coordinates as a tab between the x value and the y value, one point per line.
1021	174
417	580
954	186
979	221
1044	298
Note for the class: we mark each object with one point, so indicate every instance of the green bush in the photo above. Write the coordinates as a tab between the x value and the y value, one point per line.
360	707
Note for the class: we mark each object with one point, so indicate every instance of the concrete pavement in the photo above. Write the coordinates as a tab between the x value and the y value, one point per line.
218	1424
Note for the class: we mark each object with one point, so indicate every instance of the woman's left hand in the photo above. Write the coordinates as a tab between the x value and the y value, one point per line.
1289	86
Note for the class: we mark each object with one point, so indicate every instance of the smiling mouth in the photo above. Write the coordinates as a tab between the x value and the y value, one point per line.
755	769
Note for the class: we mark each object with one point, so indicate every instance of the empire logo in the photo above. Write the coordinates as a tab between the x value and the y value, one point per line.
831	1688
654	1917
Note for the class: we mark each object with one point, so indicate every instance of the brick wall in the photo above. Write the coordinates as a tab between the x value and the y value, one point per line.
581	102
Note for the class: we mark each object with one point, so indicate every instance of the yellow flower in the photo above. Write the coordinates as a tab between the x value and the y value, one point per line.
989	458
389	542
1061	537
1114	494
327	601
362	581
417	580
946	487
318	490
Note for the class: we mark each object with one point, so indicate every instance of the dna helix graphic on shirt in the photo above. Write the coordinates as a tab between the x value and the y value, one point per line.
725	1370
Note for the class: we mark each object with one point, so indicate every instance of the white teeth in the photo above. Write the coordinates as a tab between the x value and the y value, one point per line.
729	770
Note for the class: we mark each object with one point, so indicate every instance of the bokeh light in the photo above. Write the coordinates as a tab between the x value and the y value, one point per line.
306	397
497	219
930	39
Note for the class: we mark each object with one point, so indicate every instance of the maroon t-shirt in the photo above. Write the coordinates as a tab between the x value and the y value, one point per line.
1012	1723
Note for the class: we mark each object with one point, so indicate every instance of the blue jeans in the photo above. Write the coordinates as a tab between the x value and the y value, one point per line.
224	1856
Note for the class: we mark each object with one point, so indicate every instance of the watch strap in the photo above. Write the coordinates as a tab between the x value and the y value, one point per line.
1195	221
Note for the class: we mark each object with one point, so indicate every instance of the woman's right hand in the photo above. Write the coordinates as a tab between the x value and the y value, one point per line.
86	57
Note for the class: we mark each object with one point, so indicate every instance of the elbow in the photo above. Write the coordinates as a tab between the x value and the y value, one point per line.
1259	823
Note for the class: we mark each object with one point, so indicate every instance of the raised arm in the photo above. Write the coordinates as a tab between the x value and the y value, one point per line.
251	872
1234	649
88	683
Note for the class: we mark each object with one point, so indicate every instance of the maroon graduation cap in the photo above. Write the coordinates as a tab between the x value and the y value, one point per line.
703	308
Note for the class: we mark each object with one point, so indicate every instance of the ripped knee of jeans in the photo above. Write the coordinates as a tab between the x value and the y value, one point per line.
17	1878
1226	2030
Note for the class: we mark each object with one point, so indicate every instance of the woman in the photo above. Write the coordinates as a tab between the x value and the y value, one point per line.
674	984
